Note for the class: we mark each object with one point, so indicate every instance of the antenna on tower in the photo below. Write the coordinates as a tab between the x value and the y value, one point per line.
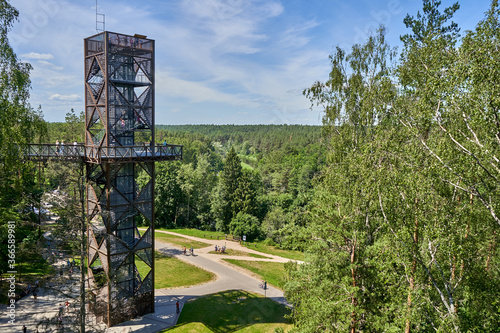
100	20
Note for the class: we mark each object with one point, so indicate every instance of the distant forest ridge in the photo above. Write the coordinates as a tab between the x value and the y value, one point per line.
211	129
254	134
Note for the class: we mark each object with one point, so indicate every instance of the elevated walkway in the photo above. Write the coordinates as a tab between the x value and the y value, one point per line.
103	154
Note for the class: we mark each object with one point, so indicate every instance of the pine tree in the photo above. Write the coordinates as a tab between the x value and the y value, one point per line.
224	199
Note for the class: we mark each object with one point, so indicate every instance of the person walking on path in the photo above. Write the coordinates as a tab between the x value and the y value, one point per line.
177	307
184	251
192	251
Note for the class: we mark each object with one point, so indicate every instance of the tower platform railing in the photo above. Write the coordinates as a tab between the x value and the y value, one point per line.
103	154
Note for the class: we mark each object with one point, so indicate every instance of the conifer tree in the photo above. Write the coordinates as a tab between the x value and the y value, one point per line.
224	200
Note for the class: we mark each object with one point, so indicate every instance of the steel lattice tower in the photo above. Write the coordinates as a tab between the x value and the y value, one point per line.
119	112
119	154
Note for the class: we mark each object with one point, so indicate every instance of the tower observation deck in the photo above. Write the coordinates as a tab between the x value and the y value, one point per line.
120	154
119	108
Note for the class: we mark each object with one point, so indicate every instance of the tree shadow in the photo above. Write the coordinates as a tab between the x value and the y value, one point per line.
232	310
171	252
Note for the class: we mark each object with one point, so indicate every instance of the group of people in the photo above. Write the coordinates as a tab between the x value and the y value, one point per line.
184	251
70	265
221	249
32	289
61	313
127	41
126	123
61	149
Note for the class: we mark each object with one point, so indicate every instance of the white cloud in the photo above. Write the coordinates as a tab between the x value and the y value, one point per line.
66	98
197	92
227	27
37	56
297	36
50	65
234	56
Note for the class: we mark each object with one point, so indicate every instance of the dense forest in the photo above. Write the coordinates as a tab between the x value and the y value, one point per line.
394	199
252	180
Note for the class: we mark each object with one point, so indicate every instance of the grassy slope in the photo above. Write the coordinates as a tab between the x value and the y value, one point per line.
231	311
289	254
179	240
197	233
246	166
272	272
259	246
168	270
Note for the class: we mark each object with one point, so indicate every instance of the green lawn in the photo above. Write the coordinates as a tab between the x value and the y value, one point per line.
248	161
272	272
34	268
259	246
231	311
232	252
252	158
179	240
171	272
246	166
289	254
197	233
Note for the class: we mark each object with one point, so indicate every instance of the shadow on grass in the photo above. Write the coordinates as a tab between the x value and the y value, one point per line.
170	252
230	311
232	252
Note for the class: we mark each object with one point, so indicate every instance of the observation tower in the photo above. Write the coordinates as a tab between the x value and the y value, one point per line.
119	154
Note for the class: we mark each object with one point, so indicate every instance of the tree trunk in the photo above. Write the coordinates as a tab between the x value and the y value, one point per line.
412	277
189	197
83	249
412	287
354	300
491	250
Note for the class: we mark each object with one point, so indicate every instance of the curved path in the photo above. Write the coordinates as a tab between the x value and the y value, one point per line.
228	277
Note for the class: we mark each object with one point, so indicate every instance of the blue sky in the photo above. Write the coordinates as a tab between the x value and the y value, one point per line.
217	61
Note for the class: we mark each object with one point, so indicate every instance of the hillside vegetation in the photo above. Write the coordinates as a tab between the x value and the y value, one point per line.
393	203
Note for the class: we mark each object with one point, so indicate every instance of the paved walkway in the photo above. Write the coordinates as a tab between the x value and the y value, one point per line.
228	277
232	245
50	304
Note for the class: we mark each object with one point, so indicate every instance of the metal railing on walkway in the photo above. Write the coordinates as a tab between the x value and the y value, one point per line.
103	154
